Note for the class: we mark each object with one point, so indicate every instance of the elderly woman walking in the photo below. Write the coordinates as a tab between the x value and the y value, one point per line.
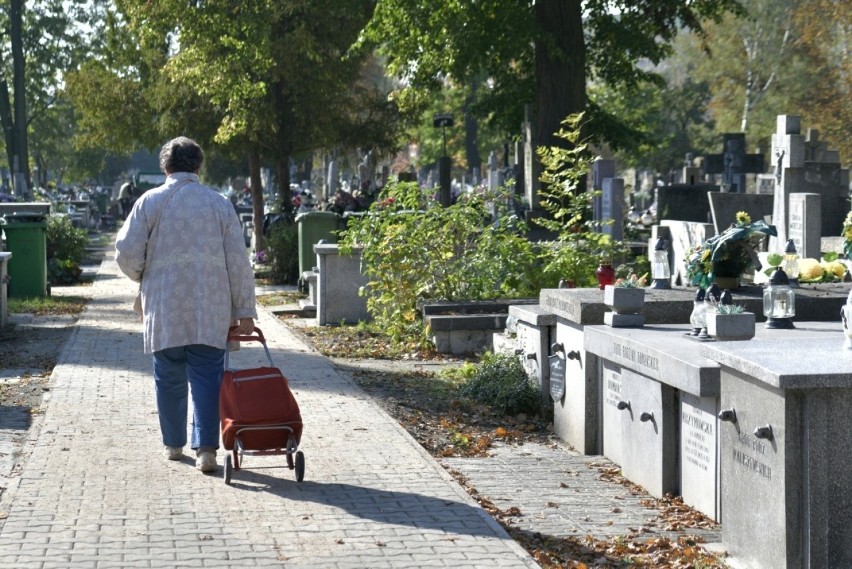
182	241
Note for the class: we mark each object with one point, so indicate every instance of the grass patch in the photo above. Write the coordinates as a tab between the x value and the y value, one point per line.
101	239
284	297
364	340
48	305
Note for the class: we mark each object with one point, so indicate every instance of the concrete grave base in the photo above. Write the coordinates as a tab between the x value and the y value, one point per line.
575	416
624	320
649	434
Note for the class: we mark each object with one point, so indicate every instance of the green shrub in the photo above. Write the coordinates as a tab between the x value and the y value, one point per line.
66	245
64	241
501	382
282	253
63	271
577	252
414	250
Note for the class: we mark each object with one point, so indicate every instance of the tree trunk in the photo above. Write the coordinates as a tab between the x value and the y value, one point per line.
284	197
560	67
307	169
7	122
471	135
746	101
21	167
256	198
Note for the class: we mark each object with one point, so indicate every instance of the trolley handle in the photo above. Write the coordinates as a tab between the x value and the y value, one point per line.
255	336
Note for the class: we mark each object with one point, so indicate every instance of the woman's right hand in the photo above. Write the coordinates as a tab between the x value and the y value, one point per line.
245	326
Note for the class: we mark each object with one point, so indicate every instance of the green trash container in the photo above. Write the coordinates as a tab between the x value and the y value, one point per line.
312	227
102	201
26	240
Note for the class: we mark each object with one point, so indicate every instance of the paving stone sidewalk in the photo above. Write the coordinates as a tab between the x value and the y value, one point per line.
93	491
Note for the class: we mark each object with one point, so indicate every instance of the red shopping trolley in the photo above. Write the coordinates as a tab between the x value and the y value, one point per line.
259	413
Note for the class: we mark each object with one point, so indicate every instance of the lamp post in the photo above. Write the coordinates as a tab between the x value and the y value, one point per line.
442	121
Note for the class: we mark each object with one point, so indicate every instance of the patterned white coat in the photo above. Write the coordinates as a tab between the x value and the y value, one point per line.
194	268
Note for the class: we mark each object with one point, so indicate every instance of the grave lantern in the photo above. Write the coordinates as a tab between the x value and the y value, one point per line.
846	318
660	271
790	264
698	318
605	274
779	301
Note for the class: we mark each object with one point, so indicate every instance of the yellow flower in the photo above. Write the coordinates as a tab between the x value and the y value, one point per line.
743	218
834	267
847	233
809	269
705	255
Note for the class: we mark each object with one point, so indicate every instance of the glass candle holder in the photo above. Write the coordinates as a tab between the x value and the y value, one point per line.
779	301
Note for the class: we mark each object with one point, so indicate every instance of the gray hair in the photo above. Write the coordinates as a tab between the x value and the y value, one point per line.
181	154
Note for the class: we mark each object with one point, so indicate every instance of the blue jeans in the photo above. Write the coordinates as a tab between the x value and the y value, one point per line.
201	366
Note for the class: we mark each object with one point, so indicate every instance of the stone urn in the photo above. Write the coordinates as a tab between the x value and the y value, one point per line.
727	283
626	304
729	327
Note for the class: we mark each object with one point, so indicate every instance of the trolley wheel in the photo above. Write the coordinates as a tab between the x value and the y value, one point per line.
300	466
228	469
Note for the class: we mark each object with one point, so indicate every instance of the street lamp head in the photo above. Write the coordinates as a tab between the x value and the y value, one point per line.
442	120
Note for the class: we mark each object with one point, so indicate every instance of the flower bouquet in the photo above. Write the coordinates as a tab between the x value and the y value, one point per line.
847	236
728	254
826	270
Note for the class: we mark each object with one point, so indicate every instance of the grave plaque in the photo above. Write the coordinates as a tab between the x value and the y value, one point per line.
765	184
557	377
699	453
611	378
805	224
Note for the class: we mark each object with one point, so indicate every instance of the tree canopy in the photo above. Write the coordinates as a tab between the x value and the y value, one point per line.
274	77
41	40
543	53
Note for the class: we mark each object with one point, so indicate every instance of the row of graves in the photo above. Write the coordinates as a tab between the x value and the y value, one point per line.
755	434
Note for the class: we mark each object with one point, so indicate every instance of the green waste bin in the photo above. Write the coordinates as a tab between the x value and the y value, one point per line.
26	240
102	201
314	226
